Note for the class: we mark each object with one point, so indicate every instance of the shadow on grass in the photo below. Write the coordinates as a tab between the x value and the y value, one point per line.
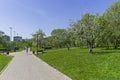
97	53
102	53
111	51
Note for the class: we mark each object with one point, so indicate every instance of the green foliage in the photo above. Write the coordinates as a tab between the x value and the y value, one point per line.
58	32
112	15
79	65
34	47
47	47
59	37
1	46
38	38
1	33
2	41
85	30
3	49
49	41
95	30
90	31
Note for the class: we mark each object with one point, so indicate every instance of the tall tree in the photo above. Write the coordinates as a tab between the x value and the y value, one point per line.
103	33
59	35
112	15
85	30
38	38
2	42
1	33
50	41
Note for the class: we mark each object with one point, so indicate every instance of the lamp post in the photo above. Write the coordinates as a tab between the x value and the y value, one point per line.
10	47
14	41
37	43
14	33
11	33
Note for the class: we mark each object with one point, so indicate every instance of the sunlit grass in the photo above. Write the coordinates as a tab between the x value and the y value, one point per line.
4	60
78	64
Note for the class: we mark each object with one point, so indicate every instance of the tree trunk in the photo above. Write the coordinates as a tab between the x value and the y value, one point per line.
116	44
90	49
90	45
68	46
107	45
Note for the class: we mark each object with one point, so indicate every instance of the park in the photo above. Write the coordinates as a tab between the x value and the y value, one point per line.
89	49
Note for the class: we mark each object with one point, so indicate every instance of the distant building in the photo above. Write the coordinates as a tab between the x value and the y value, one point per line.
6	37
17	38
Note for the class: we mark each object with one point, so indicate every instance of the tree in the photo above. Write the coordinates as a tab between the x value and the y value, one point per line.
85	30
49	42
2	41
103	33
1	33
38	38
112	15
59	35
67	38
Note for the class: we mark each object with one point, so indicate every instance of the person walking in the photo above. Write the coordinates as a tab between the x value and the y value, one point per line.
27	50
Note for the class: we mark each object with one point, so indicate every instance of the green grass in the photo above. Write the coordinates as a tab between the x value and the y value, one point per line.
4	60
78	64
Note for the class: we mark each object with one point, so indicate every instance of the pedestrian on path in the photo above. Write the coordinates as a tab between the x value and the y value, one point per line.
26	49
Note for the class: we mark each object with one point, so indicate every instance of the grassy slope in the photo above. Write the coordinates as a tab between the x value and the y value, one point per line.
80	65
4	60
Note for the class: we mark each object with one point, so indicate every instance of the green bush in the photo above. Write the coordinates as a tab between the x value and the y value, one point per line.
3	49
48	47
34	49
1	46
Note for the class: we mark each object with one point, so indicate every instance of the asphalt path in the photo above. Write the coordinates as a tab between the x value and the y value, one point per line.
26	66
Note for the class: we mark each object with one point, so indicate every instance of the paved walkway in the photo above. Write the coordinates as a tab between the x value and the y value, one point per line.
28	67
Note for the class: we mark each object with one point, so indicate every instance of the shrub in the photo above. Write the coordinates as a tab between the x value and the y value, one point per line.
48	47
3	49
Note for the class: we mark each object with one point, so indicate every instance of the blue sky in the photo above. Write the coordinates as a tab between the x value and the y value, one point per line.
27	16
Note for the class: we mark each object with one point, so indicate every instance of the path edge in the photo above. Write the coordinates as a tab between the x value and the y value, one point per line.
59	72
6	65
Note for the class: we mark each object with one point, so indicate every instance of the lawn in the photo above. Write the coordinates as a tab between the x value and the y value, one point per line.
78	64
4	60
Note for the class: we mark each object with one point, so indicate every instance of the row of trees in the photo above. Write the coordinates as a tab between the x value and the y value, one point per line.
90	31
2	40
13	45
